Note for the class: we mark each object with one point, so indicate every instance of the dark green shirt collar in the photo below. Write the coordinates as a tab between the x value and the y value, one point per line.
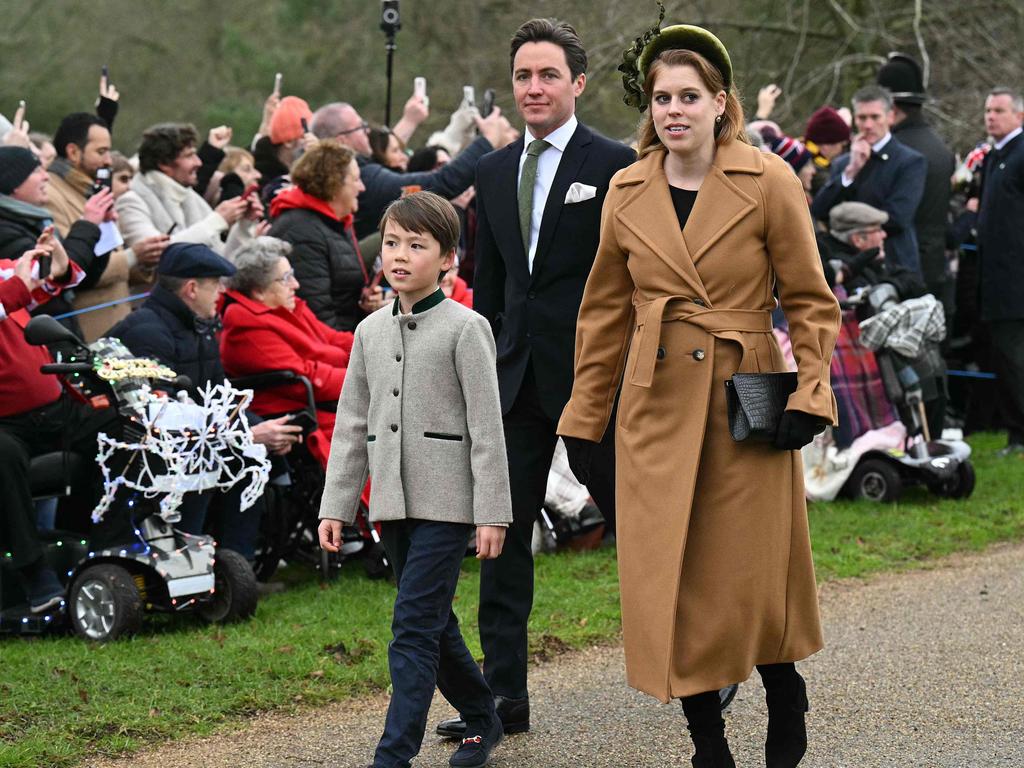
423	304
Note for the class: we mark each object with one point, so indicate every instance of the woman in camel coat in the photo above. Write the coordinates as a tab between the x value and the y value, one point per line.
714	553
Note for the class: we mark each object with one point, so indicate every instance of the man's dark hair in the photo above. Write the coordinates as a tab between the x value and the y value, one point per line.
162	143
74	129
171	283
552	31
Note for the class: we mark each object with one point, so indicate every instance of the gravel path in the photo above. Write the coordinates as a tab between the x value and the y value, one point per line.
923	669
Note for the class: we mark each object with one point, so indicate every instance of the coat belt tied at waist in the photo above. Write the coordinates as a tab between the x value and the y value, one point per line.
730	324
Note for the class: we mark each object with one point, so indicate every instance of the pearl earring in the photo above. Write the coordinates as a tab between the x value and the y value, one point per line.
718	119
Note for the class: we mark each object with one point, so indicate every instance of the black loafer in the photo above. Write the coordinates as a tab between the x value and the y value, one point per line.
513	713
475	750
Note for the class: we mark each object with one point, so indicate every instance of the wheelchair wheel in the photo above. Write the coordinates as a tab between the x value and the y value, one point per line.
727	694
330	565
105	603
280	529
959	486
875	480
235	592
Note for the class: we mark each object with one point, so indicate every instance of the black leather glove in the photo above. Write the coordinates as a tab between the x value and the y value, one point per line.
580	453
856	264
796	429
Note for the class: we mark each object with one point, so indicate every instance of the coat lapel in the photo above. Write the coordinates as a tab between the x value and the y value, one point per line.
575	154
651	217
504	214
720	205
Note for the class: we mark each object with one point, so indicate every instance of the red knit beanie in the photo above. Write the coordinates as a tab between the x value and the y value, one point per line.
286	124
826	126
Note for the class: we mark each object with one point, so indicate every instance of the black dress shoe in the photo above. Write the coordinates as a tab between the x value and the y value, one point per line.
475	750
513	713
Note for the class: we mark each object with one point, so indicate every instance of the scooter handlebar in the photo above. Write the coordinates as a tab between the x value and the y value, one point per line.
66	368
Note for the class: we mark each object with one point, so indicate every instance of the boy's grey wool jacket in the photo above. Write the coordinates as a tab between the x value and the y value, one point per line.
419	412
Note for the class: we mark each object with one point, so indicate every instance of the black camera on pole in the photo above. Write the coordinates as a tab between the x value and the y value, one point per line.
390	16
390	23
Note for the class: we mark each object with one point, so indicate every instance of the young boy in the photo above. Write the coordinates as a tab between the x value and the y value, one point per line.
419	412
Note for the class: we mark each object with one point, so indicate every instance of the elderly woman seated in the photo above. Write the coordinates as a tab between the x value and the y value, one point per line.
268	328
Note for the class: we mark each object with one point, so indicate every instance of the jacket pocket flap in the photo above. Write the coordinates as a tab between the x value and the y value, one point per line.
442	436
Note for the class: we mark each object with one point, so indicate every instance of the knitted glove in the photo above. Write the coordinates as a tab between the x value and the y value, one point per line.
458	134
580	453
796	429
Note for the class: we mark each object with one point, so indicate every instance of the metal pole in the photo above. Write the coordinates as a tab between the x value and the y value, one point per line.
391	54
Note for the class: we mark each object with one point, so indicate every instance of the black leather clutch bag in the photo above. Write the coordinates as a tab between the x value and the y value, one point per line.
756	402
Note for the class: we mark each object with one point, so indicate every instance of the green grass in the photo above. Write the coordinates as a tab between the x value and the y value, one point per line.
63	700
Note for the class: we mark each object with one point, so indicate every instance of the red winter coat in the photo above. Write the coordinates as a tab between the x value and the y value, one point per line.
23	387
462	293
257	339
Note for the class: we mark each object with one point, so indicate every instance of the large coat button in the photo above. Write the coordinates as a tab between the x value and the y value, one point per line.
699	302
398	357
698	354
661	353
395	392
412	326
394	427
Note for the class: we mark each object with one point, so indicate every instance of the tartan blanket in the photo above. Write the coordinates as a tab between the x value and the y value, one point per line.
905	327
857	385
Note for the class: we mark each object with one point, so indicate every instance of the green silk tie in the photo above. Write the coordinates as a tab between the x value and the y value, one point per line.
526	182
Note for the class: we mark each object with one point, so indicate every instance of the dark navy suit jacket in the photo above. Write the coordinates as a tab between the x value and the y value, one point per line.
892	181
1001	232
533	314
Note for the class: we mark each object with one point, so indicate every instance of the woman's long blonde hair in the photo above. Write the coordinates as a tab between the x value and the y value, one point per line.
732	125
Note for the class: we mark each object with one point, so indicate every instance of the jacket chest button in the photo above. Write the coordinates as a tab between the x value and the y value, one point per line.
395	392
699	302
398	357
661	353
412	326
698	354
394	427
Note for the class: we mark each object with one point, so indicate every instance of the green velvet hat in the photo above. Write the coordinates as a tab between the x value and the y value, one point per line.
645	49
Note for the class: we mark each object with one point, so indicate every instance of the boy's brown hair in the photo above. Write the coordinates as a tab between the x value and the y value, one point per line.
425	214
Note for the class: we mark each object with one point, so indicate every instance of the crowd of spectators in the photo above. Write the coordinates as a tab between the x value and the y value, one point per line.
288	218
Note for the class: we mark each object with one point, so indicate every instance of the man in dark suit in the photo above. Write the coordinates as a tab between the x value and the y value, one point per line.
881	172
1001	249
538	224
903	77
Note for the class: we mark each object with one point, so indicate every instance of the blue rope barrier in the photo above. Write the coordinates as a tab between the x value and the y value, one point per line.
971	374
104	305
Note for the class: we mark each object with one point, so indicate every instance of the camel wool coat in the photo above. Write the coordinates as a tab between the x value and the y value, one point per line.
714	553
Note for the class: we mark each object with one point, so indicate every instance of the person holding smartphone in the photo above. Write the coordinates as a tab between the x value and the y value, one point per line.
24	218
80	189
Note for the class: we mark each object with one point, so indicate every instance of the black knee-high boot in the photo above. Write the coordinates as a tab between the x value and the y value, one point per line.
707	729
786	694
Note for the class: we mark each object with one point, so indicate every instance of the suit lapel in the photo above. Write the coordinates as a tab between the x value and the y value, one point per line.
575	154
504	216
651	217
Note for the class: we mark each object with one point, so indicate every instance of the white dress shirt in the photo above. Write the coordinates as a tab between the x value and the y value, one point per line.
876	147
1008	138
547	166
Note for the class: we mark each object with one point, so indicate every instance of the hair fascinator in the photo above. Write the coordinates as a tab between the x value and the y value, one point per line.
637	59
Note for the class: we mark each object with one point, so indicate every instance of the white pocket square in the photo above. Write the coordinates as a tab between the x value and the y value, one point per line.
579	192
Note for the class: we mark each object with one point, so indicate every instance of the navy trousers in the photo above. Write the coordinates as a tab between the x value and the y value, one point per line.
506	583
427	649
